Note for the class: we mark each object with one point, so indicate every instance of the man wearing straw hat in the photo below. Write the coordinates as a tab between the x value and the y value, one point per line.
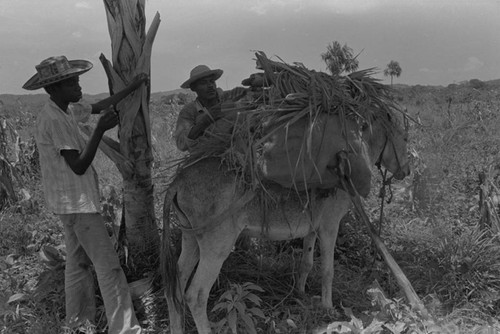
198	115
71	191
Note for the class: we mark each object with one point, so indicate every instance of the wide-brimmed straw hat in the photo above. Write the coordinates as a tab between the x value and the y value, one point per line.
56	69
199	72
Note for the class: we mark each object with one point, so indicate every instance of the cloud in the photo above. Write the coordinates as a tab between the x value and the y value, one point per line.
83	4
262	7
352	7
427	70
472	64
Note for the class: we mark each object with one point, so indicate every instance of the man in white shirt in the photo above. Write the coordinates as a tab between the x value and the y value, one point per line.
72	192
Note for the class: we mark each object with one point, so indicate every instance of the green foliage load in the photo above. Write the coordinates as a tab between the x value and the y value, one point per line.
293	93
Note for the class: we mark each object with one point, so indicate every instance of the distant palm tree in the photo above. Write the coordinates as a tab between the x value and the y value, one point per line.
340	59
393	70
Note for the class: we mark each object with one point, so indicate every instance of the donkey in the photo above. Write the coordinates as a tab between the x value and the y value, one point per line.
213	209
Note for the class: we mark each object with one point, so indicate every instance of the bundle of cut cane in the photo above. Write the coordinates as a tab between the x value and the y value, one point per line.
294	93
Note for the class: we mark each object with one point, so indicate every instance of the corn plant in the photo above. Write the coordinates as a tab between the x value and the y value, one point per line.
241	307
7	173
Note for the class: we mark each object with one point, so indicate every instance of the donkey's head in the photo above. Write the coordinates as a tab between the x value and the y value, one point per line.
387	142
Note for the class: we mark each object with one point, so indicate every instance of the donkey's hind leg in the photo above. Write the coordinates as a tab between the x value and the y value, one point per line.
214	250
188	259
186	262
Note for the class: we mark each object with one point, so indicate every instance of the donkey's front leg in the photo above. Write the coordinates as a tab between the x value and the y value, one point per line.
307	260
335	207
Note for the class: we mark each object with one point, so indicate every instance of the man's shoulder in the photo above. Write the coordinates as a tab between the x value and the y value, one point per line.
190	107
81	105
47	112
191	104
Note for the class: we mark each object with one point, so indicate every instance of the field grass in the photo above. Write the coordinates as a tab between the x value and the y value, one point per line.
431	226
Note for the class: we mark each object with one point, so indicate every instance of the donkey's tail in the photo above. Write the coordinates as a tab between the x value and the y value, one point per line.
168	259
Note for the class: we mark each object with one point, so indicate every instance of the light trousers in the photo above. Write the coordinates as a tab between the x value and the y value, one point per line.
88	243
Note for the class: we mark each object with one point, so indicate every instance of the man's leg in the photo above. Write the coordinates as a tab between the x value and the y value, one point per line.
94	238
79	282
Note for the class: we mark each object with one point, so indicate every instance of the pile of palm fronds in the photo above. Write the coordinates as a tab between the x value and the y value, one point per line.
292	92
302	92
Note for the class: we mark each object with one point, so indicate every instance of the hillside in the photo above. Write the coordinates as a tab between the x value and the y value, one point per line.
11	100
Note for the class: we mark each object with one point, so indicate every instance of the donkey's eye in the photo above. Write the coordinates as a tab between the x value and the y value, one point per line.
364	126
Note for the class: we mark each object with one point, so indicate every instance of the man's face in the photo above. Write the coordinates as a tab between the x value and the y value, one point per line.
69	89
205	88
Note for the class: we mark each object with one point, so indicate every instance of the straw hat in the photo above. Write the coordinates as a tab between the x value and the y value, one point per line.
56	69
201	71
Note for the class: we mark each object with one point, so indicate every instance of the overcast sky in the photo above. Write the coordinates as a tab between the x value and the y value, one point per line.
436	42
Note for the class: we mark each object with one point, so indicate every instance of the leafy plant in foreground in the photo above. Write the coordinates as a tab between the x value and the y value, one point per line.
241	308
388	316
470	265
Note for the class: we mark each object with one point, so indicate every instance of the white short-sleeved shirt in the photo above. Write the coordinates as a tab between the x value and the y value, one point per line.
65	192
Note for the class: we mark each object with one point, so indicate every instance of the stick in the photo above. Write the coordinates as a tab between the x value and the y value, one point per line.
403	282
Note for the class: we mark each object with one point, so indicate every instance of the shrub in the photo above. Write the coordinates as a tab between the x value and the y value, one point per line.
469	263
459	265
476	84
15	238
241	307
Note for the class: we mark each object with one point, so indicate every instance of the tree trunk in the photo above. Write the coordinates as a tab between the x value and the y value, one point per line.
131	55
